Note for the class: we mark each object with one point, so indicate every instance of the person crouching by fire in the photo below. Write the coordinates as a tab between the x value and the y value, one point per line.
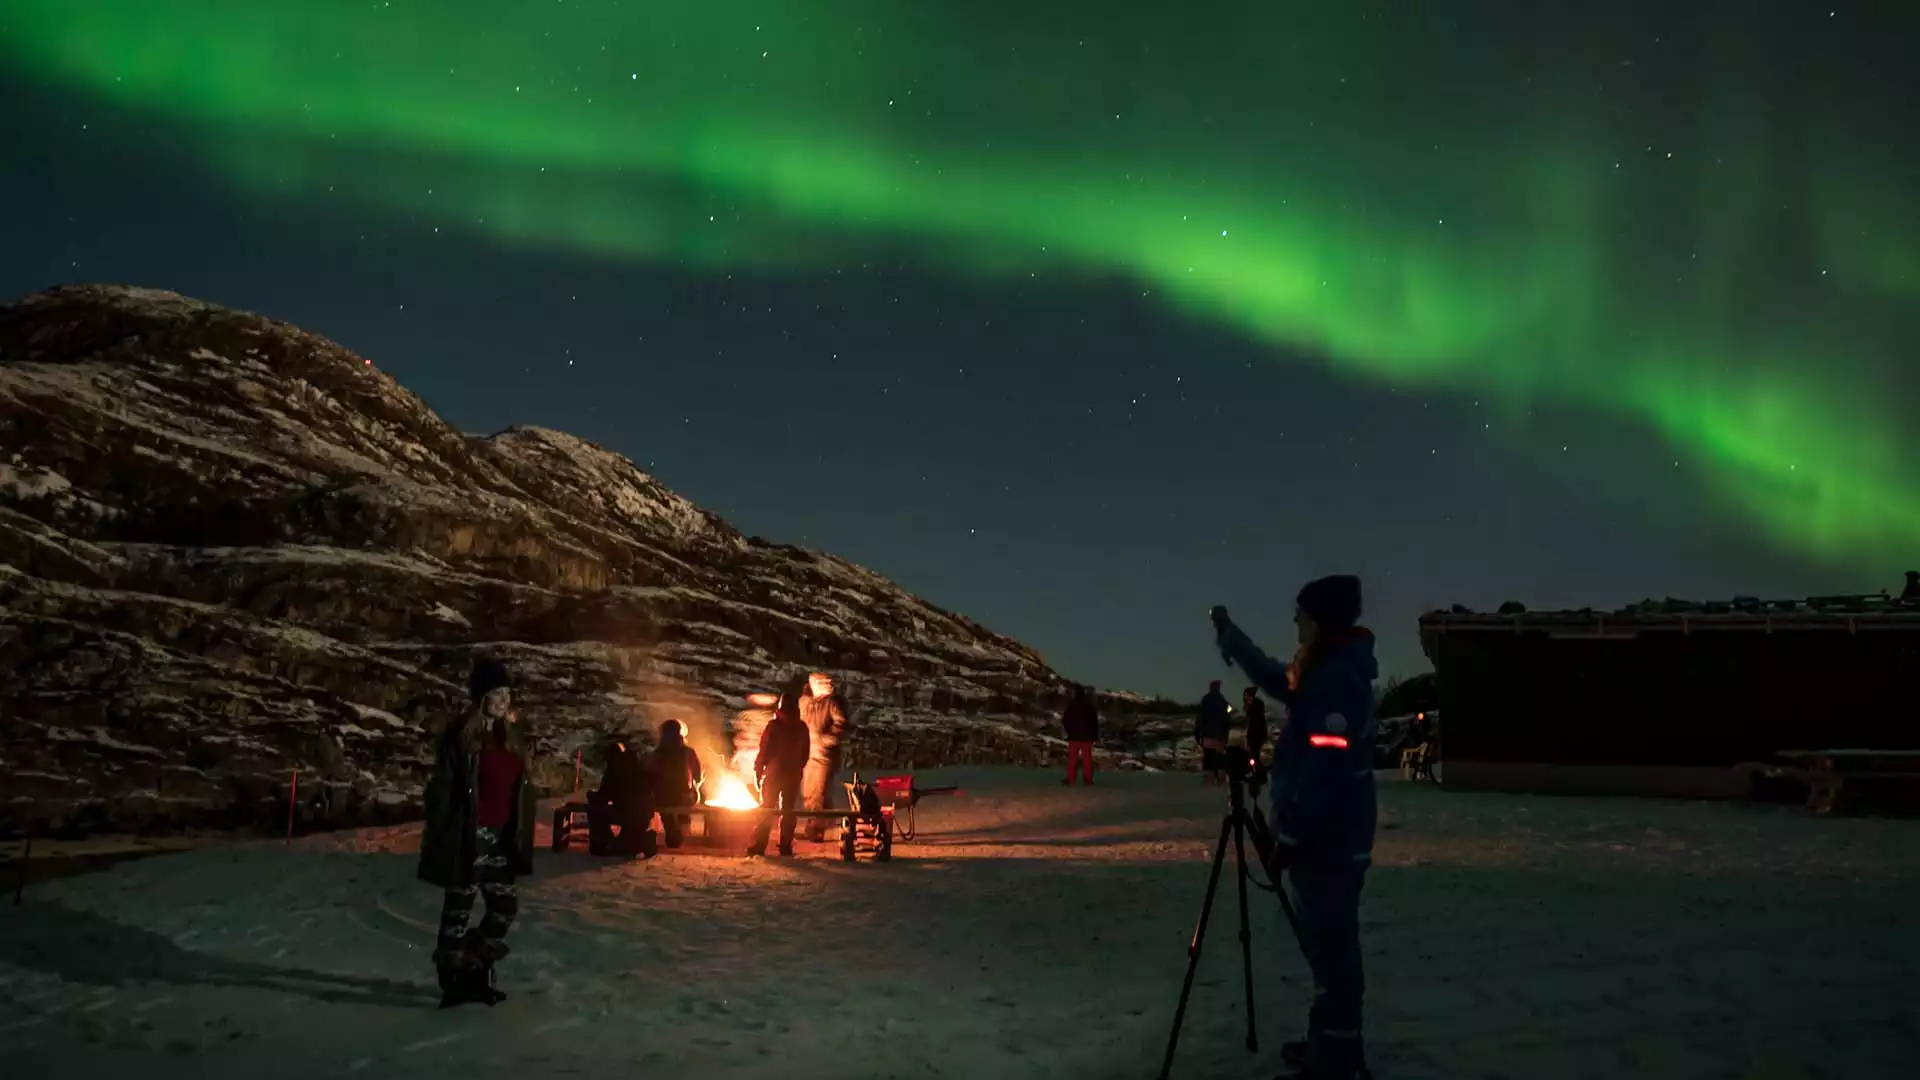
779	769
676	780
825	714
478	835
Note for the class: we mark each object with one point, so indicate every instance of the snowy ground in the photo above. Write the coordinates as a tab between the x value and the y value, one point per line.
1036	931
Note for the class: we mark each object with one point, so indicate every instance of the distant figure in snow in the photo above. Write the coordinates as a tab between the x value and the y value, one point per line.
675	770
478	834
1211	726
781	765
624	800
824	712
1255	738
1082	724
1324	806
1912	592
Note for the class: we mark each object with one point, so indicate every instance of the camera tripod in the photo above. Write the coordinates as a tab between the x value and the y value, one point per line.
1238	825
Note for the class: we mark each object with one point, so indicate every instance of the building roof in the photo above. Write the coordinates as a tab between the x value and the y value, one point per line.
1848	613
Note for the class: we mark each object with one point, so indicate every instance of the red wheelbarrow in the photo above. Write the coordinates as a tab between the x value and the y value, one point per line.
899	796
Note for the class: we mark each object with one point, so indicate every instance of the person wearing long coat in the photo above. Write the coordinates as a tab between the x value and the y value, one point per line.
477	839
779	768
825	713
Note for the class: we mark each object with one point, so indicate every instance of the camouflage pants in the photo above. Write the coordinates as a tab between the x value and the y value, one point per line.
492	880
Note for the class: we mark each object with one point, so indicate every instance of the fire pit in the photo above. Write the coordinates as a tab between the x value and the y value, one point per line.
729	813
729	828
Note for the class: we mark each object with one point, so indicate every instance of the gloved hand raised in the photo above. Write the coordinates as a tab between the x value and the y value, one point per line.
1221	624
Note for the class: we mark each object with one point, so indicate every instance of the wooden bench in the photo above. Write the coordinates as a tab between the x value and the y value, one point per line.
1858	781
570	819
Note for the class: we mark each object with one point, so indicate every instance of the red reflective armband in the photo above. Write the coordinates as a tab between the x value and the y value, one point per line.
1337	742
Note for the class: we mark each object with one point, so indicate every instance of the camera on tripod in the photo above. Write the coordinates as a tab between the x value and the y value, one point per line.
1246	769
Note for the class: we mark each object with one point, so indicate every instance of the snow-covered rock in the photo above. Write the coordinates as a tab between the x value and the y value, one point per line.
230	549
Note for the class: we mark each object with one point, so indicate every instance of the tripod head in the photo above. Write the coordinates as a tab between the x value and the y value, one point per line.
1244	768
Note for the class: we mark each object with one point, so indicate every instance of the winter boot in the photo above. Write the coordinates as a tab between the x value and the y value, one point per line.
469	986
466	971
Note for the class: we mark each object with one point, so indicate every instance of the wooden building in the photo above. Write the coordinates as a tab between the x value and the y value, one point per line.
1665	699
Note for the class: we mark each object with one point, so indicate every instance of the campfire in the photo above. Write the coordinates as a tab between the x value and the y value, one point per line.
735	796
732	793
730	785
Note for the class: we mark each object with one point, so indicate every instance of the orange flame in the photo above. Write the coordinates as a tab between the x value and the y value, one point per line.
733	793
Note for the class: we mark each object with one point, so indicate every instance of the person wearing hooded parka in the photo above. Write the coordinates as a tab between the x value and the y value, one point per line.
478	834
1324	805
674	769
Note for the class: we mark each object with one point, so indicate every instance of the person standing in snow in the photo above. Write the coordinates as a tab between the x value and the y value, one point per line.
1324	805
676	775
478	835
825	714
1211	726
1082	724
779	768
1256	712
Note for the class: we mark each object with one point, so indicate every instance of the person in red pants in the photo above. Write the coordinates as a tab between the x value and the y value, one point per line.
1082	723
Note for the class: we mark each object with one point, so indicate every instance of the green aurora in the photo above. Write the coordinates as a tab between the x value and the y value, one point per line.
1656	218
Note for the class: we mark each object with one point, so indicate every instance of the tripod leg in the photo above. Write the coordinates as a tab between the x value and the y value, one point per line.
1199	938
1246	932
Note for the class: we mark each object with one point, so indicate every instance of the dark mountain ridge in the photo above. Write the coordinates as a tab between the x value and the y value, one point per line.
230	549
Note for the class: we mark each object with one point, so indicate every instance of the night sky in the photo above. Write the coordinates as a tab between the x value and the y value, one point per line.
1076	317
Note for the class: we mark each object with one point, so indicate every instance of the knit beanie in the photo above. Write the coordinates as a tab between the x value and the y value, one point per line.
488	675
1333	602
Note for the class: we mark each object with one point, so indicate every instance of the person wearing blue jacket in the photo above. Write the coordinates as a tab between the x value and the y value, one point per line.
1324	806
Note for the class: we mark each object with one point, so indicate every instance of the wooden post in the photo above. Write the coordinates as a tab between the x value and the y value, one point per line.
20	883
293	792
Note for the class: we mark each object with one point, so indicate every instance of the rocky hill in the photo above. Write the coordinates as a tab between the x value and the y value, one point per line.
231	549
